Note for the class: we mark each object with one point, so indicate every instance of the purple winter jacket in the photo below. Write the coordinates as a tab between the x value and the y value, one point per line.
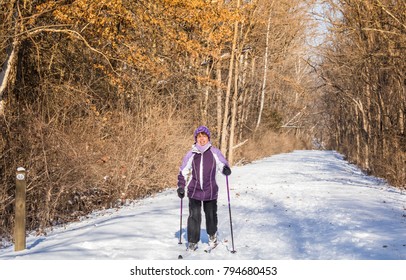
203	164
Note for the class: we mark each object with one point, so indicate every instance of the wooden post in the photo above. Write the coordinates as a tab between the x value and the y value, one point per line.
20	213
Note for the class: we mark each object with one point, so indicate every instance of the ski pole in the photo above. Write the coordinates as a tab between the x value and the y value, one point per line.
229	211
180	229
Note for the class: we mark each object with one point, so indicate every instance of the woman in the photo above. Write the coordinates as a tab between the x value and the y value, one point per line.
198	174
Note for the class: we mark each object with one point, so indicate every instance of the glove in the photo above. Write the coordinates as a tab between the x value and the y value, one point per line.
226	170
181	192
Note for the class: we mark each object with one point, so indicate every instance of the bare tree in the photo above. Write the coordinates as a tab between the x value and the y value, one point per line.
363	69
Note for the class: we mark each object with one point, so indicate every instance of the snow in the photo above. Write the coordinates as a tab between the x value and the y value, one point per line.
304	205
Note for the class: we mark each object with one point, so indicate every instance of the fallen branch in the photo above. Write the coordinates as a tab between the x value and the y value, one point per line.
240	144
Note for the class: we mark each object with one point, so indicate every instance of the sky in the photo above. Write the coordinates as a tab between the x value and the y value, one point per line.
306	207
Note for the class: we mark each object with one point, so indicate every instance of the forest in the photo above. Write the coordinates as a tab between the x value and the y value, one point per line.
99	99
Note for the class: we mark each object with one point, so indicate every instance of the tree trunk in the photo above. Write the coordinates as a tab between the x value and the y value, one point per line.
7	75
228	91
206	96
219	97
264	78
233	115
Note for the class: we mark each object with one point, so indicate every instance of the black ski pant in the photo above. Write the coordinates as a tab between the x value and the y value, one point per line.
195	218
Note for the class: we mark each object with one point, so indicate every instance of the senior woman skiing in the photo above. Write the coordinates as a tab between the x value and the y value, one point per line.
198	174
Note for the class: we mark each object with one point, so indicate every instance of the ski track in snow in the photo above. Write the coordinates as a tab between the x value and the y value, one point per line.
301	205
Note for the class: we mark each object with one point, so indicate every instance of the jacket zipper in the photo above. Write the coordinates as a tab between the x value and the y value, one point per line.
201	172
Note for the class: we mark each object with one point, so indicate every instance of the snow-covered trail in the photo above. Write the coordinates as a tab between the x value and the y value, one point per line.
304	205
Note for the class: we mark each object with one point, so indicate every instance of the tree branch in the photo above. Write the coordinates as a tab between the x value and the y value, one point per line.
72	33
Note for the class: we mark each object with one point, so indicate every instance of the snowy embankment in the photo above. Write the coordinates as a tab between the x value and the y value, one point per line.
304	205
